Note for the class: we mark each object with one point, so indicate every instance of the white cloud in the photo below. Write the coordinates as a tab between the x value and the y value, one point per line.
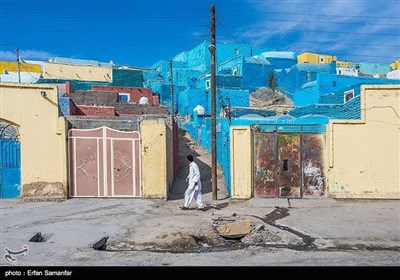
355	29
26	54
7	55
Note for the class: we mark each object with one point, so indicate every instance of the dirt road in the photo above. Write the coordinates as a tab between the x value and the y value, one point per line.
144	232
203	159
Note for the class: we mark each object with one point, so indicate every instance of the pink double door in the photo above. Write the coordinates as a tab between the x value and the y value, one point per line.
104	162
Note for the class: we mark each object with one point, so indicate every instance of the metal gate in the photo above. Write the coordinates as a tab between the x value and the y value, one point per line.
313	146
288	165
10	168
265	164
104	162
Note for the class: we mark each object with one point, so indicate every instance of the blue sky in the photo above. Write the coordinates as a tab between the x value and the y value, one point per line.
139	33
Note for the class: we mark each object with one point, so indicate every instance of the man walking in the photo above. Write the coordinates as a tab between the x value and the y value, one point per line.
194	186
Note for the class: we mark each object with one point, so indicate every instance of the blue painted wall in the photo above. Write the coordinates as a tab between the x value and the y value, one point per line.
308	94
373	68
223	81
255	76
127	78
229	97
281	63
240	112
189	98
350	110
330	88
300	74
64	106
328	83
282	123
224	150
254	71
185	77
202	135
234	63
305	83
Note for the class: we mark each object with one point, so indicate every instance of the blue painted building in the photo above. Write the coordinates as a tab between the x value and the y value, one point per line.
332	89
373	68
318	93
301	74
191	69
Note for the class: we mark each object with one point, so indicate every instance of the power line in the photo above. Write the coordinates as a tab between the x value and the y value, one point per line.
349	54
328	22
97	9
107	42
310	14
278	76
382	107
295	86
101	17
225	9
332	43
314	31
325	51
238	42
195	17
104	29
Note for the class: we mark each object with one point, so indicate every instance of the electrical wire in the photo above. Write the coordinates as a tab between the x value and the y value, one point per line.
308	92
102	29
316	31
326	22
311	14
106	42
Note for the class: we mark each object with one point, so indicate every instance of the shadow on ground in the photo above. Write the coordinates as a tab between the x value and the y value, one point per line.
203	159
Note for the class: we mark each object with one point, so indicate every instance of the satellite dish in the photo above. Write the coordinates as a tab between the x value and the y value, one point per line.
200	110
144	100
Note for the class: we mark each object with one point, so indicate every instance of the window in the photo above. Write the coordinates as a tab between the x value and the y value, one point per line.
285	165
322	59
235	72
208	84
308	76
124	97
348	95
236	51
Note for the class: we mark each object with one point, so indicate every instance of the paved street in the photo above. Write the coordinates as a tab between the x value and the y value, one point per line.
312	232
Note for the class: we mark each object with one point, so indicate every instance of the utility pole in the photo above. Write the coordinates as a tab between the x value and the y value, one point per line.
19	66
172	89
212	48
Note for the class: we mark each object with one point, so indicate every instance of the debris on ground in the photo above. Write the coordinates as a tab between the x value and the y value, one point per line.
266	98
37	237
235	229
101	244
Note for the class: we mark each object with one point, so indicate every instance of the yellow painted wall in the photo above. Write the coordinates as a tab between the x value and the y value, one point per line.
42	135
154	158
77	72
344	64
241	162
307	57
169	151
24	67
395	65
364	155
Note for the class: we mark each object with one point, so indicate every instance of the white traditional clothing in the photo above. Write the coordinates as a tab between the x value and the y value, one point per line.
194	187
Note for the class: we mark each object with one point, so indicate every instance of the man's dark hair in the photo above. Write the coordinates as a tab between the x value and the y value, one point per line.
190	158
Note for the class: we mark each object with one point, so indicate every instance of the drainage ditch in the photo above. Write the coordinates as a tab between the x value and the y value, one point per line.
259	237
